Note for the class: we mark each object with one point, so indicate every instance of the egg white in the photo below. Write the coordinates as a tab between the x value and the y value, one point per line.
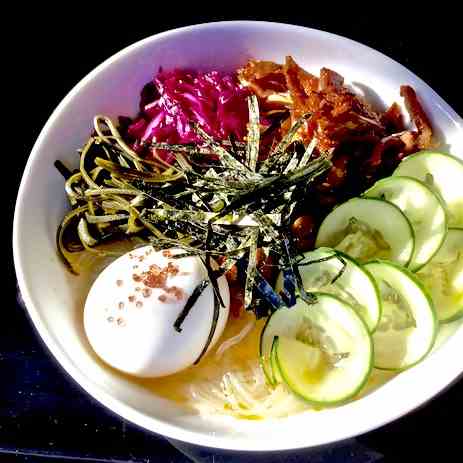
131	326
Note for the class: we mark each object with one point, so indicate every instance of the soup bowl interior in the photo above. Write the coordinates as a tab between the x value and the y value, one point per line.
54	298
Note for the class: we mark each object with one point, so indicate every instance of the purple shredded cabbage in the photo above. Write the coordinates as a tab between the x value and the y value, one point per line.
168	105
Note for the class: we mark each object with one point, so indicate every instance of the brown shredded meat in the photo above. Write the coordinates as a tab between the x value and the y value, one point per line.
393	119
418	116
337	115
363	143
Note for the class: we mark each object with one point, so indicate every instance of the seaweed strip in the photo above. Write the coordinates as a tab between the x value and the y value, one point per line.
62	169
189	305
305	296
276	184
215	319
274	155
308	153
227	159
335	255
252	151
209	269
341	272
251	270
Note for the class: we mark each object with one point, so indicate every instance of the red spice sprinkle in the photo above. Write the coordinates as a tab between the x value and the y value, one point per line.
120	321
155	277
136	277
119	282
146	292
131	298
121	305
166	253
177	292
172	269
139	304
162	298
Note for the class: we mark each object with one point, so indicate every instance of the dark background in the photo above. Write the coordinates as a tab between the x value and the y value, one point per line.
43	414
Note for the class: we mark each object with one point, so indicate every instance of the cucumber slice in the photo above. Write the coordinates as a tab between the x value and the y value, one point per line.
443	276
273	362
444	174
408	326
353	283
265	350
368	228
423	208
323	351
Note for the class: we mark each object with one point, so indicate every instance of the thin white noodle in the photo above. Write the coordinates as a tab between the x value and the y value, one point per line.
235	339
242	391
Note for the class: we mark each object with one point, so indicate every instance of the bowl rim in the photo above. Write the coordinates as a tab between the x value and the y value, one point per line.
139	418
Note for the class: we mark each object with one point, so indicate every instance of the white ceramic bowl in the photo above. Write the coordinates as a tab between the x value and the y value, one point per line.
52	296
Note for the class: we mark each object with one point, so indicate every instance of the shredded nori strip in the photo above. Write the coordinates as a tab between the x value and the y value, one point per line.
283	145
335	255
222	153
62	169
305	296
191	301
252	151
251	270
341	272
215	319
210	271
227	204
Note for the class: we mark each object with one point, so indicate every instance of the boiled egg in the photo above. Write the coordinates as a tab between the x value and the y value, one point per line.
132	307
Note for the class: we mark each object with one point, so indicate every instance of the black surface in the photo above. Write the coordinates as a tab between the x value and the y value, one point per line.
42	412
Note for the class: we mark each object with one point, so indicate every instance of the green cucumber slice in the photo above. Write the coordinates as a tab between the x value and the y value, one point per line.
368	228
273	362
443	277
408	326
353	283
444	174
323	351
423	208
265	351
